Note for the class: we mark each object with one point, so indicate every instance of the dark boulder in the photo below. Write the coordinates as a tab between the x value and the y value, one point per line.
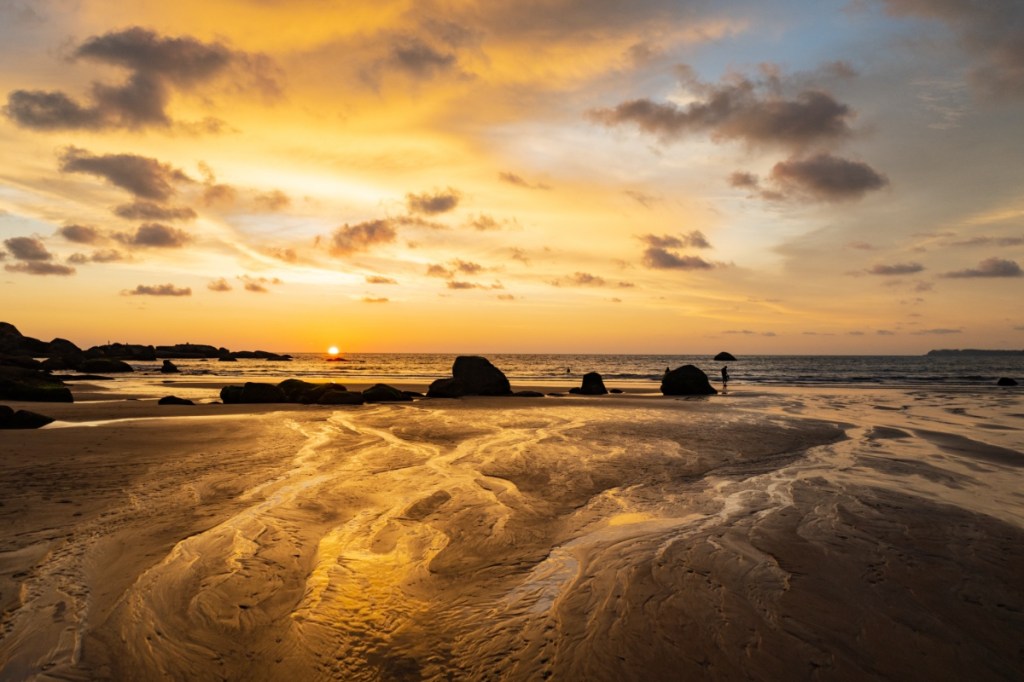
174	400
122	351
64	362
22	419
528	394
446	388
686	380
1006	381
615	390
13	342
184	351
295	389
593	384
23	361
59	347
103	366
255	392
17	383
382	393
479	377
334	397
169	368
725	357
228	358
231	395
260	355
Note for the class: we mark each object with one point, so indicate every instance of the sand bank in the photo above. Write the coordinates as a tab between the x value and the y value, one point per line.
775	534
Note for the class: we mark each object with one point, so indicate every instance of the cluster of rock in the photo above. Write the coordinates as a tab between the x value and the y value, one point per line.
307	393
21	419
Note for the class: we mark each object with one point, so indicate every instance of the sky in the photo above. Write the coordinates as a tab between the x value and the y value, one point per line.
653	176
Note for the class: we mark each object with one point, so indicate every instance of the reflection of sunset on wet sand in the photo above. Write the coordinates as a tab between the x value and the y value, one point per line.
630	537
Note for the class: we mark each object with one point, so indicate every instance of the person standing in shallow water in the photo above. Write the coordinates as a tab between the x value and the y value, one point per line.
725	377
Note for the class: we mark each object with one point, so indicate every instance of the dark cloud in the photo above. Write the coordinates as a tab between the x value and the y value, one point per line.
144	177
432	204
744	180
258	285
738	109
937	332
419	59
484	223
377	279
80	234
992	31
436	270
219	285
694	239
826	177
519	255
27	249
219	194
155	235
990	267
360	237
885	332
473	285
990	241
274	200
519	181
157	290
148	210
101	256
662	259
157	66
37	267
580	279
892	269
466	267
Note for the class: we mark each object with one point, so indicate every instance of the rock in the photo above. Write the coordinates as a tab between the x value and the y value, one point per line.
169	368
23	361
123	351
103	365
615	390
184	351
725	357
64	362
413	394
333	397
686	380
230	395
299	391
1006	381
528	394
593	384
22	419
382	393
255	392
446	388
174	400
60	347
260	355
17	383
228	358
13	342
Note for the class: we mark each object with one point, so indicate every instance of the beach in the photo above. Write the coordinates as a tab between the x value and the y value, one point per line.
767	533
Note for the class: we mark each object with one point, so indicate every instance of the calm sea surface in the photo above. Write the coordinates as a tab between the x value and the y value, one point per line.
901	370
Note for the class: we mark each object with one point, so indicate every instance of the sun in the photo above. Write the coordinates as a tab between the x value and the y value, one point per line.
333	350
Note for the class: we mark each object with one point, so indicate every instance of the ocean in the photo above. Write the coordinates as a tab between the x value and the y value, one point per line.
778	370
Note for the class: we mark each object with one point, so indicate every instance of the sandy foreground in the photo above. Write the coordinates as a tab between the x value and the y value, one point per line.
782	534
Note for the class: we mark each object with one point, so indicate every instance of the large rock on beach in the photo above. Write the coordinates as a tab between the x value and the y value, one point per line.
471	375
21	419
333	397
103	366
382	393
17	383
593	384
252	392
686	380
725	357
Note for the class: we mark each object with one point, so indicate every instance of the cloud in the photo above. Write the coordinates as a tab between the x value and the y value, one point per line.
990	267
642	198
827	178
892	269
258	285
937	332
419	59
662	259
990	241
885	332
272	201
694	239
484	223
360	237
80	234
992	32
102	256
519	181
861	246
219	285
377	279
580	279
157	66
142	176
436	270
36	267
744	179
369	299
738	108
157	290
506	297
473	285
155	235
518	254
432	204
28	249
219	194
148	210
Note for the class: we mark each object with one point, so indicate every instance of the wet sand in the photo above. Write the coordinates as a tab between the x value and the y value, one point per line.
839	534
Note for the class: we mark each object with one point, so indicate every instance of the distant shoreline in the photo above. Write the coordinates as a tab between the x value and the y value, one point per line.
972	351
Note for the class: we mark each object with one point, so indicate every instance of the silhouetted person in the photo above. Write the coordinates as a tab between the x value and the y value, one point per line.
725	377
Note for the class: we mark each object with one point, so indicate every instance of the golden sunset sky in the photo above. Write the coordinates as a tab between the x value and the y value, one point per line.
537	176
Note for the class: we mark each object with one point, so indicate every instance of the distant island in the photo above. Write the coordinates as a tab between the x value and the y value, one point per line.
973	351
